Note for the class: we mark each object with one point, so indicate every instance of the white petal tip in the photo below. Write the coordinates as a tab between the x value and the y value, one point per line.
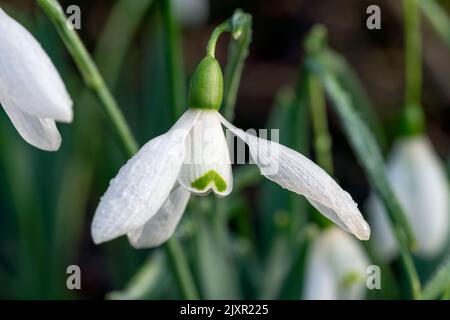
67	117
362	230
52	144
99	236
51	148
140	246
99	239
64	112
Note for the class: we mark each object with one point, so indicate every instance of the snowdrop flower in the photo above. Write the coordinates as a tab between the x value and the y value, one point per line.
336	267
149	195
419	181
31	90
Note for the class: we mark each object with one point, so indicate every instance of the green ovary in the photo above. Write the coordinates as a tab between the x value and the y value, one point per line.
210	176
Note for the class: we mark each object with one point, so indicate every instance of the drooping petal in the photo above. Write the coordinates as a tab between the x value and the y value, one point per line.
28	79
336	267
143	184
295	172
207	165
419	181
163	224
41	133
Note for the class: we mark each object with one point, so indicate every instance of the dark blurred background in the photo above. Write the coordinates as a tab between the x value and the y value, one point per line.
276	54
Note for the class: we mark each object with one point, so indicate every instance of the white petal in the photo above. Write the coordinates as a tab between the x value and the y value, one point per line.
336	267
207	165
41	133
385	243
419	181
143	184
161	227
28	79
295	172
319	283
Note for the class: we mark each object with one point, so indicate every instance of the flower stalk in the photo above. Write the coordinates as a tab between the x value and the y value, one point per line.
174	60
94	81
366	148
322	139
413	122
91	75
238	25
237	53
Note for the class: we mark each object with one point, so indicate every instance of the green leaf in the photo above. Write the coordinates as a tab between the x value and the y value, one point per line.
351	83
439	282
364	145
174	60
237	53
218	277
369	155
437	17
147	281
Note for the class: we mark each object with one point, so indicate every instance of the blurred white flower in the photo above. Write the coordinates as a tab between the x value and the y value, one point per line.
148	196
31	90
335	267
191	12
419	181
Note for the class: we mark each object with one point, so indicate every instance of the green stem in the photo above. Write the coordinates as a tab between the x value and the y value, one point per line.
413	122
237	53
439	283
95	82
369	155
181	270
238	25
322	139
411	272
437	17
79	168
413	52
92	77
221	28
174	61
299	124
351	82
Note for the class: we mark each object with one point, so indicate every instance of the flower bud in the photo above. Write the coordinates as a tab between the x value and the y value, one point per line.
336	267
420	184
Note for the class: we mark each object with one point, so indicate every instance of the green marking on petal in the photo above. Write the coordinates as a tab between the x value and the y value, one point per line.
210	176
350	279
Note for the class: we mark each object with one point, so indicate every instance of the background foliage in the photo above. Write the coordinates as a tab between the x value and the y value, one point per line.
251	244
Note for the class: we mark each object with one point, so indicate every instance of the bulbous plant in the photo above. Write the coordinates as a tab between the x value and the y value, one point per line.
147	198
419	181
31	90
415	171
336	267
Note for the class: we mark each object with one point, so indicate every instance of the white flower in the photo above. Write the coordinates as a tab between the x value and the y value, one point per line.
336	267
31	90
148	196
419	181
